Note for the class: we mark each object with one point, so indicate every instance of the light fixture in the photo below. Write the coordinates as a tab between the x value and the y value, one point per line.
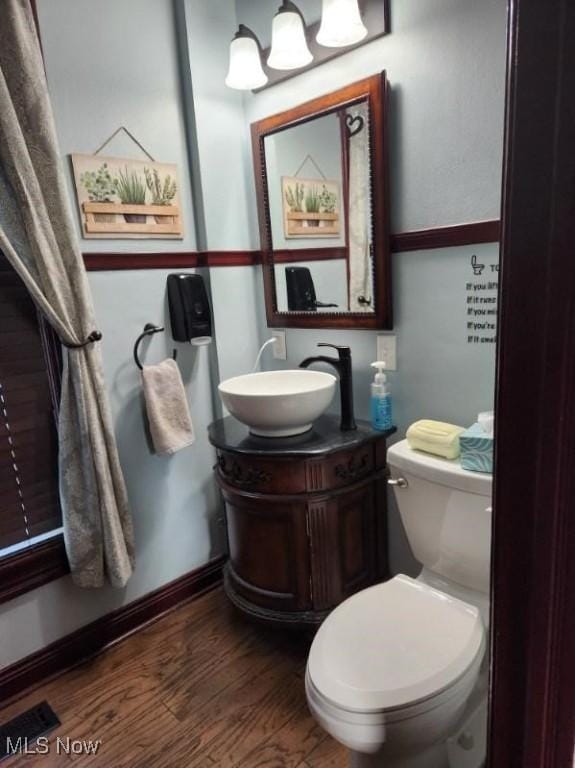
245	71
341	24
289	45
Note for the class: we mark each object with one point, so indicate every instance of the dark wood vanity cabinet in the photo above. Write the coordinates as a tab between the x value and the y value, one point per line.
306	517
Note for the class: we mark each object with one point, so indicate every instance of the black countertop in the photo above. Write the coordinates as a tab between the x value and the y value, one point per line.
324	437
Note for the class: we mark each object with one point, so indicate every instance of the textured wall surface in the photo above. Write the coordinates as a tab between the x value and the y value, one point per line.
101	77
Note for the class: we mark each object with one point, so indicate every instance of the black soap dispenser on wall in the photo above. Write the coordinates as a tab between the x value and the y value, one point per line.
190	315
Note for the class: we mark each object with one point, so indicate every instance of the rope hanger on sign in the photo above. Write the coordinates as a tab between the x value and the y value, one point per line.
129	135
313	162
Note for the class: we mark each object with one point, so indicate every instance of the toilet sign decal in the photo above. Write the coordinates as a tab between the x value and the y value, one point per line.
481	302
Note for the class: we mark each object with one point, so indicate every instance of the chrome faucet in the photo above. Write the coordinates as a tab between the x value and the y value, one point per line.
342	365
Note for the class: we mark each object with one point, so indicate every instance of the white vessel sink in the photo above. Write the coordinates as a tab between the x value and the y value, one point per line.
278	403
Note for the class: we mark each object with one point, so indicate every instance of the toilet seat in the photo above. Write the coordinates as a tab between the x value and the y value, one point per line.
385	717
400	645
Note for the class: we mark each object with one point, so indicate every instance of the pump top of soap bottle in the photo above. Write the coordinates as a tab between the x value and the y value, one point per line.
378	386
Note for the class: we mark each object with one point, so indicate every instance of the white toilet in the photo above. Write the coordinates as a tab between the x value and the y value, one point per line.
392	670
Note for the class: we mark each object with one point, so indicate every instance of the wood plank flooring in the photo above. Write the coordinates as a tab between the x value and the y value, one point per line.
200	688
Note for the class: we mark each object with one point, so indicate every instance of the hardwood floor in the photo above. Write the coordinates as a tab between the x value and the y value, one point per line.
202	687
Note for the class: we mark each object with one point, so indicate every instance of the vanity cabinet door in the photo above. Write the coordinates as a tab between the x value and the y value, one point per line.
269	555
343	547
358	545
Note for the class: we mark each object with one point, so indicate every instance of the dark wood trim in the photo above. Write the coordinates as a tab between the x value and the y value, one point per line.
161	260
31	568
232	258
375	14
375	90
292	255
424	239
107	630
169	260
532	712
446	237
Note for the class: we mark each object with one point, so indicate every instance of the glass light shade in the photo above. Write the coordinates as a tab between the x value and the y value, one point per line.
245	71
341	24
289	45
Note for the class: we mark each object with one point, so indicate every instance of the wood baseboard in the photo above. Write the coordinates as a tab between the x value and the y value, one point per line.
107	630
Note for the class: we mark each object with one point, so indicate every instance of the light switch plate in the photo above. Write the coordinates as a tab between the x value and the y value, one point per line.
387	350
279	345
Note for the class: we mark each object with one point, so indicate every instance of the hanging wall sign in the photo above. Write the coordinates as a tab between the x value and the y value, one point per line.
310	207
125	198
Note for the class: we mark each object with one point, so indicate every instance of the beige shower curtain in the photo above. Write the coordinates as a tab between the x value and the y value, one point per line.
37	237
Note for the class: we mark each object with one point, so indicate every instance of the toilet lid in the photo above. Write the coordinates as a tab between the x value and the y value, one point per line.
392	645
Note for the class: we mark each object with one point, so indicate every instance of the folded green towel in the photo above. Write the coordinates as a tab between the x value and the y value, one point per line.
435	437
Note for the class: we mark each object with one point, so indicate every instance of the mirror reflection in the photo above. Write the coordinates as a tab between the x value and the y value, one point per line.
318	178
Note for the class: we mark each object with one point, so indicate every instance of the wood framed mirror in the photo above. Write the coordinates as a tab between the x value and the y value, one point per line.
322	193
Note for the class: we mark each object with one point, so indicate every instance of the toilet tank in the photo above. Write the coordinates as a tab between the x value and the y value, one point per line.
444	510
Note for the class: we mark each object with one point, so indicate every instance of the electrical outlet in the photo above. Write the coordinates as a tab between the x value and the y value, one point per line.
279	345
387	350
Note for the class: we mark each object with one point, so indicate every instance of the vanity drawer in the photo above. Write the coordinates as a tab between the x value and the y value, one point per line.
340	469
254	474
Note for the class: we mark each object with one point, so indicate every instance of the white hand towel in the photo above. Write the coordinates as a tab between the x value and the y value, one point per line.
167	407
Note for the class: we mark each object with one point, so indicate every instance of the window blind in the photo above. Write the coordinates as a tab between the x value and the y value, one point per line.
29	500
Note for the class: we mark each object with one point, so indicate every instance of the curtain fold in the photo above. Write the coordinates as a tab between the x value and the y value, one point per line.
38	238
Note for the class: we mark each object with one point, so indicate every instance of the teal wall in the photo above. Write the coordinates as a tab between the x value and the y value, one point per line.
446	140
158	67
445	62
112	63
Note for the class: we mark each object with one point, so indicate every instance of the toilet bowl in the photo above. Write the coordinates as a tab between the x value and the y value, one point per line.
383	683
392	669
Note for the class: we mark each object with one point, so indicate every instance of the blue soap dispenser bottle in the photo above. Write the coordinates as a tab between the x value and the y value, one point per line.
381	411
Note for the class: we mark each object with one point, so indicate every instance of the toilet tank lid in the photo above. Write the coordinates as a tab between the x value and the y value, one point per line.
447	472
393	645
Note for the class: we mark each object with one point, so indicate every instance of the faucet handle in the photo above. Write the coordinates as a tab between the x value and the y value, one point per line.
342	351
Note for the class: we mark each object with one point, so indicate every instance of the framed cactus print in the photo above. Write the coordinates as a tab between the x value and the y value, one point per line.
125	198
310	207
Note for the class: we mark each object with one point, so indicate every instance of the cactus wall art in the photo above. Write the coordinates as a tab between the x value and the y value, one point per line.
310	207
123	198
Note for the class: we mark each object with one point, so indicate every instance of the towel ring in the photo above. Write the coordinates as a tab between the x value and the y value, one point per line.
149	330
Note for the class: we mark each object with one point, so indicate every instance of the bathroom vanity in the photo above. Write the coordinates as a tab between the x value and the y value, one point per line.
306	517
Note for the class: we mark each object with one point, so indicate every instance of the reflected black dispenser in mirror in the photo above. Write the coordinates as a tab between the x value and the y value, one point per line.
301	291
189	305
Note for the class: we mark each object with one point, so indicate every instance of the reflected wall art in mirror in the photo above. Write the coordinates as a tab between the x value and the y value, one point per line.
321	180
